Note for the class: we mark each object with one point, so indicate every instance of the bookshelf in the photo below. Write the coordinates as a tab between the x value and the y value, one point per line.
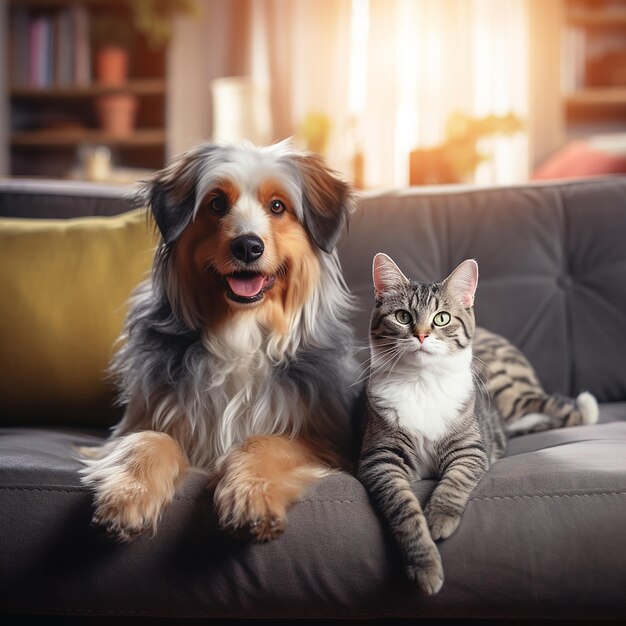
144	87
594	63
68	137
59	102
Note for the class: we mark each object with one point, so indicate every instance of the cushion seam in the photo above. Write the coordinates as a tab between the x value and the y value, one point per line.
551	495
78	489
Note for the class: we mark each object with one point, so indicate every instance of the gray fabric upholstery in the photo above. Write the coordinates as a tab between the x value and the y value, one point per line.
542	536
543	533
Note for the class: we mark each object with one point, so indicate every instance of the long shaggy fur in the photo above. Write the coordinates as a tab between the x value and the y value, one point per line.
212	375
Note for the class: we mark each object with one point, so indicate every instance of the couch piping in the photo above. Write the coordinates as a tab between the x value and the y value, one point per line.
78	489
446	191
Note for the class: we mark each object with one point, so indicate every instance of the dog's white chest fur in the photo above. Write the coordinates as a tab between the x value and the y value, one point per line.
240	399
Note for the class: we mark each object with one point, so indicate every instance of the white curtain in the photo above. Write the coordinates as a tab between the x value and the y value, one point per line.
301	48
432	58
385	73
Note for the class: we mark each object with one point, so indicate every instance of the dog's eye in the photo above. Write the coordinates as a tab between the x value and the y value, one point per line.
277	206
219	204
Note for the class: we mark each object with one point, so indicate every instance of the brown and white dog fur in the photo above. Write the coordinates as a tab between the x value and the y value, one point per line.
237	351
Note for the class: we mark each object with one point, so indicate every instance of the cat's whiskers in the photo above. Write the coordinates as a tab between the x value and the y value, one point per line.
487	365
402	353
375	364
478	375
367	362
365	366
373	367
481	385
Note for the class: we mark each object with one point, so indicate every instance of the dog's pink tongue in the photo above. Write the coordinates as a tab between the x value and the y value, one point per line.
246	287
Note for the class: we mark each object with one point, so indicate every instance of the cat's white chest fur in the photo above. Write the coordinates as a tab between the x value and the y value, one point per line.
426	396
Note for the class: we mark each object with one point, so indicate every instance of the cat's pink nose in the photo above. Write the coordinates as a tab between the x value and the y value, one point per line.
422	336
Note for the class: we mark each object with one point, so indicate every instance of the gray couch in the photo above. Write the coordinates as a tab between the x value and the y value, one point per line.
544	533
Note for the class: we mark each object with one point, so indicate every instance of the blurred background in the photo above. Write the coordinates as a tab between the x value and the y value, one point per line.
390	92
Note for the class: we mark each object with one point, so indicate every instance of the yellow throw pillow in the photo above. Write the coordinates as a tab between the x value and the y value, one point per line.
64	286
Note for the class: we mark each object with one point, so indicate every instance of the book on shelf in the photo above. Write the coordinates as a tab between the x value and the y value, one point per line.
50	48
63	51
20	45
82	58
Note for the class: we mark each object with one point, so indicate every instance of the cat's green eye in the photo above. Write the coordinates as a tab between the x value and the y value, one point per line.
442	318
404	317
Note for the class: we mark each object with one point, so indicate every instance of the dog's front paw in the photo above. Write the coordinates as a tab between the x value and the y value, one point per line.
441	525
125	513
133	478
428	576
265	528
259	480
248	511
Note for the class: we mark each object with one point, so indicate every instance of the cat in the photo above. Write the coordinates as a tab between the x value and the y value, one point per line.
425	415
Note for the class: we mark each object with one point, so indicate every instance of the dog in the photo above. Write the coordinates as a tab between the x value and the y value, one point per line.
237	352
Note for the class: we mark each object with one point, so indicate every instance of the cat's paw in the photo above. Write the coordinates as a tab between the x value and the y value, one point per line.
428	577
441	524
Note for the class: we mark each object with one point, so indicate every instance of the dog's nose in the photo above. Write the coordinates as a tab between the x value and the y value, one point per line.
247	248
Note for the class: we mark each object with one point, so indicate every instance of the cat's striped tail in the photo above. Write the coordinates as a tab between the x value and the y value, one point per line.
545	412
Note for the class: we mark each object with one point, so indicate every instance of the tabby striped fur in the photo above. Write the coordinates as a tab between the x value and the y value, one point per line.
517	394
422	417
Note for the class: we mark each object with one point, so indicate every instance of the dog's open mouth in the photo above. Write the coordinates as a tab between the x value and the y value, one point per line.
247	287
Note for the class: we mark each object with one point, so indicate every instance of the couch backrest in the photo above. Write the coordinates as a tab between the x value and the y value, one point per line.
552	261
60	199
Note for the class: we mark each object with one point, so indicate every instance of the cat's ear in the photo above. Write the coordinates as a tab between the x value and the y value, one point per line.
386	274
462	282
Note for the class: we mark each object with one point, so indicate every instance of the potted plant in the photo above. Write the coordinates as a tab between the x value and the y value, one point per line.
153	18
113	30
457	157
112	36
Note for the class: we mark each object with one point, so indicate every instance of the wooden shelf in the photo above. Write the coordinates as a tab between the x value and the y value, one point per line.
597	96
140	138
139	87
51	122
53	4
594	100
579	17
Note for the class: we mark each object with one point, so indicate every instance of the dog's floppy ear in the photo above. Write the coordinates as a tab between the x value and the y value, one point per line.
327	201
171	193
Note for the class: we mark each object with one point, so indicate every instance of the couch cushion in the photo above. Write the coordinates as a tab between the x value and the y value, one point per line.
542	536
64	286
551	259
